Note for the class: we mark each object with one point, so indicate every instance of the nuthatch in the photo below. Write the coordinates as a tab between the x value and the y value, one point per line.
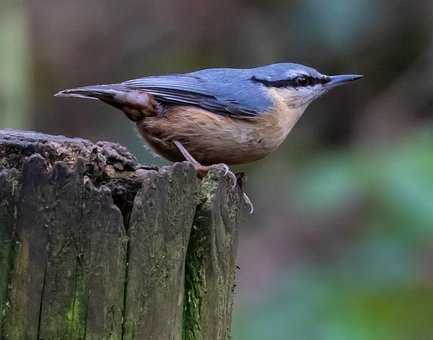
219	115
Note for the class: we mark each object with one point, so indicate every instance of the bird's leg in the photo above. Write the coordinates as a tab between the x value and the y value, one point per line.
202	170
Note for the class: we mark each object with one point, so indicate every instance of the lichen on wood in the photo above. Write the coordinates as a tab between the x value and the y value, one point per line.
210	263
94	245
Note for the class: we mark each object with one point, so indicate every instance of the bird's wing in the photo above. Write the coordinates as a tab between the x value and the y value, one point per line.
208	92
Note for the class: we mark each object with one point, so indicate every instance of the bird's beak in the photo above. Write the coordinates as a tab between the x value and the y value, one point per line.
342	79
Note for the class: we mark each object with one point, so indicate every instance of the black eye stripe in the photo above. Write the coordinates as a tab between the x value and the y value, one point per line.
299	81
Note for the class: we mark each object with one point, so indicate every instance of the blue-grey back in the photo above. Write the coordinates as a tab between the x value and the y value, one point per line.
221	90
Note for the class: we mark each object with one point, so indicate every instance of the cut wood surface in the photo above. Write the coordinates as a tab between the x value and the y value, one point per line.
94	245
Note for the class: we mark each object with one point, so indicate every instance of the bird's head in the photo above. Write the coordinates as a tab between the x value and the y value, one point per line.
298	85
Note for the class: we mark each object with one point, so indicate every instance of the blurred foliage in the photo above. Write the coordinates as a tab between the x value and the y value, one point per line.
398	182
380	287
341	243
317	307
14	66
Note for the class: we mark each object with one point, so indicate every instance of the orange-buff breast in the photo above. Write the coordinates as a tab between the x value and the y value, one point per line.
213	138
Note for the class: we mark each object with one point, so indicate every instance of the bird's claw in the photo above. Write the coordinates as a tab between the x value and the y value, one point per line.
228	172
248	202
236	180
202	171
239	180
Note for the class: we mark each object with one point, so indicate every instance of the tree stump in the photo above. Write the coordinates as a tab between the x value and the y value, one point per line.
94	245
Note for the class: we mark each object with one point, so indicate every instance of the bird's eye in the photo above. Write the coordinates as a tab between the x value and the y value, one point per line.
302	81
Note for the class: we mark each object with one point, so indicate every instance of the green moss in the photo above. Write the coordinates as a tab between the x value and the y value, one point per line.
73	318
195	283
76	314
196	257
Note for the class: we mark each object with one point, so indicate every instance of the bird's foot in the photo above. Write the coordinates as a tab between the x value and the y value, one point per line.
237	179
230	174
202	171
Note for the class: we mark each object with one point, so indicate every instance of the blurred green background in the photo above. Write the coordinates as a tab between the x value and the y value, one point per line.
341	244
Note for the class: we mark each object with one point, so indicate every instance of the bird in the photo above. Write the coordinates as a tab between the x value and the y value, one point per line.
214	116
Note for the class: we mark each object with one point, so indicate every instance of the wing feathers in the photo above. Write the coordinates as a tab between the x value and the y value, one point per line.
192	90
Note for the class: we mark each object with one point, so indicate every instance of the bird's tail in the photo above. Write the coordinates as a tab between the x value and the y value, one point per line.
134	103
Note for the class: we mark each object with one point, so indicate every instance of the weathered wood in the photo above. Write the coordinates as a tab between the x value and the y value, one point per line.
8	186
210	275
95	246
159	230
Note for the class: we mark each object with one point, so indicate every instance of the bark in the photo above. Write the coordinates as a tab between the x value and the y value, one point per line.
94	245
